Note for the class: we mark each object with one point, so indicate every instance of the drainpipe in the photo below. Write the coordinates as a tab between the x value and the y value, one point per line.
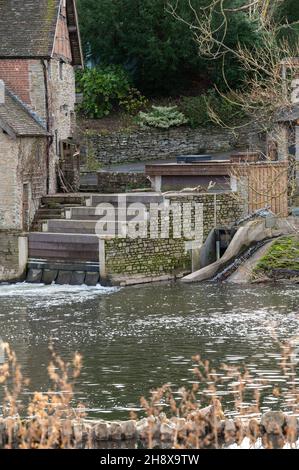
45	65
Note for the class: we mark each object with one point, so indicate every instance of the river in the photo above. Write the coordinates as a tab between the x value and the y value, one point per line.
138	338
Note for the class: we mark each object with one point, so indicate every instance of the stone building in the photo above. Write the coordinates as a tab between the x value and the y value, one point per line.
39	51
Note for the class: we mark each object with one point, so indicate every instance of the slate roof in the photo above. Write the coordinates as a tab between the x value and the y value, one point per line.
18	120
27	28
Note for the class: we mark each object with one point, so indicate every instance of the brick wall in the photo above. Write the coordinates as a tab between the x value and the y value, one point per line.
15	74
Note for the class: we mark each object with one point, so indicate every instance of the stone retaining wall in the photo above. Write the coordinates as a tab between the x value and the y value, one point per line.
140	145
274	429
219	209
12	262
117	182
148	259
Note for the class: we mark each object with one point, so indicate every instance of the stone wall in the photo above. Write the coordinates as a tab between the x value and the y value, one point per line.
62	97
147	259
22	161
201	429
120	147
219	209
27	79
116	182
13	255
9	196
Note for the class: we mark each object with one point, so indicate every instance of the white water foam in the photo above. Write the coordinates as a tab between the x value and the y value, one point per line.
53	294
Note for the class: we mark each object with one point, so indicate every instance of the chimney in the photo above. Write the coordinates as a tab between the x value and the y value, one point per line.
2	92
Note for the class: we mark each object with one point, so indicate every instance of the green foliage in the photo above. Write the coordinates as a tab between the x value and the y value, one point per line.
289	10
196	111
105	89
158	50
199	109
283	254
133	102
163	117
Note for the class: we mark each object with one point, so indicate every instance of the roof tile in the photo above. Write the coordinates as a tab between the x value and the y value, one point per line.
27	27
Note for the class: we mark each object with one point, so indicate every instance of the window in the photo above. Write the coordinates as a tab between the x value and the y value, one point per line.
61	70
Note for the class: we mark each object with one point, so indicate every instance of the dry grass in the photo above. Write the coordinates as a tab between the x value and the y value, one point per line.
186	418
50	415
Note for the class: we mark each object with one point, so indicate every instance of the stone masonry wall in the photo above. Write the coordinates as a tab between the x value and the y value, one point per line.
155	258
62	97
9	255
220	209
9	196
146	257
115	182
22	161
32	169
120	147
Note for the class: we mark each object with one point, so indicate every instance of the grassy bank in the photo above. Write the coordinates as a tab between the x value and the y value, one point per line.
281	260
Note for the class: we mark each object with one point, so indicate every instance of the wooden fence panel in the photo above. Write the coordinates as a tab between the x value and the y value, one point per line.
268	186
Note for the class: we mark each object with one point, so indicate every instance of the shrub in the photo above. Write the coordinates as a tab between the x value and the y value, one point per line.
205	110
107	88
133	102
196	111
163	117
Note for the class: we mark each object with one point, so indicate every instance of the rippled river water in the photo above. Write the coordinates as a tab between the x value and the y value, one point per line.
138	338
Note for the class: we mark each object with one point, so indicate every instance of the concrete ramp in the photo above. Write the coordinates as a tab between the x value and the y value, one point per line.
248	235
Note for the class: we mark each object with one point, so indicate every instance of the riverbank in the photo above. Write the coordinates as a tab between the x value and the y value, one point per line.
203	428
279	262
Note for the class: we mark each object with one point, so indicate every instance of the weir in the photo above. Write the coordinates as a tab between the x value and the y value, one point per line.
64	247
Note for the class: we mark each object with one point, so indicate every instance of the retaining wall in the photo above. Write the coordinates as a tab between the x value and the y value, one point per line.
151	144
204	427
13	255
159	257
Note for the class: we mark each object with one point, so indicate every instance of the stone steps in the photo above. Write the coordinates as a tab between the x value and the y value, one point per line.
83	227
63	245
62	199
53	207
70	226
66	247
145	198
89	213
